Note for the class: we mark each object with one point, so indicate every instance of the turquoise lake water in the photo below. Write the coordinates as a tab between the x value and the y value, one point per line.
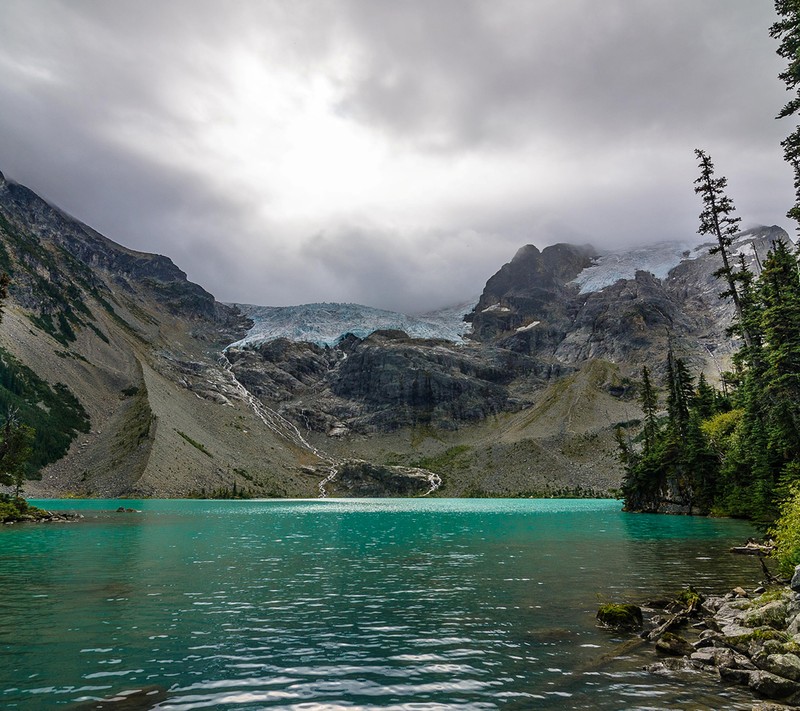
331	604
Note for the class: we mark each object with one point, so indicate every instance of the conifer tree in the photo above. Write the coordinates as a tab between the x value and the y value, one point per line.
648	399
705	399
780	293
717	220
679	395
15	451
787	30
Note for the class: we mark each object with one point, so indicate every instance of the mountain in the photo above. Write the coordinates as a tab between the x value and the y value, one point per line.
142	384
129	349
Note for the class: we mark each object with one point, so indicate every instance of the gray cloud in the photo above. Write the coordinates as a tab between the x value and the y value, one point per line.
394	154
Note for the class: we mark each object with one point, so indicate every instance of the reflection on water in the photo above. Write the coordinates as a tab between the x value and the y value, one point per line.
398	604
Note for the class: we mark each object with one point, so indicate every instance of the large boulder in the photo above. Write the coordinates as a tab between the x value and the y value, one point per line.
795	583
773	614
620	616
785	665
771	686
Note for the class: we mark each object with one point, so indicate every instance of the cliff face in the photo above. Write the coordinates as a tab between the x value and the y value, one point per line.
533	287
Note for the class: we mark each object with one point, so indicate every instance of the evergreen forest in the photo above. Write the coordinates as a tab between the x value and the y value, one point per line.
734	451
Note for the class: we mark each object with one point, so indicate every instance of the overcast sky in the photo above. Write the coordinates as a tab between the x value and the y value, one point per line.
393	153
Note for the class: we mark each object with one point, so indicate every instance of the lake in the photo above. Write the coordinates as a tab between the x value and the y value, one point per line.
414	604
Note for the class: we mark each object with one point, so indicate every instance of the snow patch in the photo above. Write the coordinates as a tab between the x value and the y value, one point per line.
528	327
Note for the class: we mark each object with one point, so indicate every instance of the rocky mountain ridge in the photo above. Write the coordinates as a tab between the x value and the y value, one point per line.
180	402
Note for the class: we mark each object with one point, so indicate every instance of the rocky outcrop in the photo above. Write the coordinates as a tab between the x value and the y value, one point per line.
364	479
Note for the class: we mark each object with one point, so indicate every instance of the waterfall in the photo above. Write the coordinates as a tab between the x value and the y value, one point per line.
282	427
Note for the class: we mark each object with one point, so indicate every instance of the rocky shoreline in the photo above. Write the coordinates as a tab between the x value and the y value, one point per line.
42	516
749	638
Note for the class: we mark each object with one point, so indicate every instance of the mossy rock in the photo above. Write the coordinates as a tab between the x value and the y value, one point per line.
773	614
690	599
620	616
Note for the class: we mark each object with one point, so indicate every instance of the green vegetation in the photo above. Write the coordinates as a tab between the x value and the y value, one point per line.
53	411
786	532
689	598
17	509
737	453
452	459
15	451
222	492
196	445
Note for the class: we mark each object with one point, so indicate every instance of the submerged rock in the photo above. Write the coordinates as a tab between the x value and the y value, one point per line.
620	616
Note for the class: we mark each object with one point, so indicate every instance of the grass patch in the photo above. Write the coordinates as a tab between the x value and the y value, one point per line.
452	459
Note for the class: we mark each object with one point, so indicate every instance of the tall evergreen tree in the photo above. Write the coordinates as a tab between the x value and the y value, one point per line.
718	221
679	395
15	450
648	399
705	399
787	30
780	294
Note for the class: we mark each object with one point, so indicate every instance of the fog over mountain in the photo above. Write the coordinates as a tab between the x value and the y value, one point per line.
386	153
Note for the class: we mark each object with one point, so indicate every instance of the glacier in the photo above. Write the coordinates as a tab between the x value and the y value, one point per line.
327	323
658	259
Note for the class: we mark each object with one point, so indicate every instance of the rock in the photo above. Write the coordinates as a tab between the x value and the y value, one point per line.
359	478
772	686
710	641
759	590
712	604
741	661
773	614
703	656
784	665
675	645
733	631
737	676
670	665
769	706
795	583
121	509
620	616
